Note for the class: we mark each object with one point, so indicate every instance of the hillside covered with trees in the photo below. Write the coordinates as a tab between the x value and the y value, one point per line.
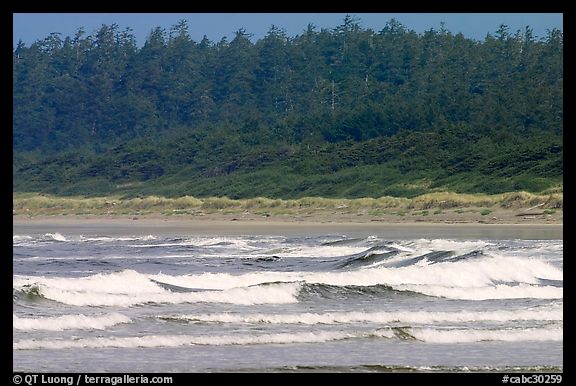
346	112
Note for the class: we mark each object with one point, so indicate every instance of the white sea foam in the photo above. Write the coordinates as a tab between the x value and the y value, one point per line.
246	296
20	238
451	245
168	244
401	247
69	322
182	340
500	291
240	243
211	280
114	239
466	279
55	236
486	277
411	317
428	335
128	288
124	282
322	251
234	244
431	335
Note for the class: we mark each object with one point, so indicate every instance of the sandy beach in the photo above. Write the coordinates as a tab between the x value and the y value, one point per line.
393	227
439	214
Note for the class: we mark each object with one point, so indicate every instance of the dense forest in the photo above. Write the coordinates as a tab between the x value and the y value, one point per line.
342	112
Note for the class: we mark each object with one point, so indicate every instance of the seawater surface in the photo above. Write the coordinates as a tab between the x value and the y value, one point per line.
101	301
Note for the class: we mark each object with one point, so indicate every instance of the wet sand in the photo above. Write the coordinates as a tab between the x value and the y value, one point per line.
219	225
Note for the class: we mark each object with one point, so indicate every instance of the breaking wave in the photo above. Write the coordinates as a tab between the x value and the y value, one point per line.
427	335
404	317
129	288
69	322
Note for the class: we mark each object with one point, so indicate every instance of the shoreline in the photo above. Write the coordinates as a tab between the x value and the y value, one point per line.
457	215
234	225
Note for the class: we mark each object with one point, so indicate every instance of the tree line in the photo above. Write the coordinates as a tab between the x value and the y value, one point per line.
347	111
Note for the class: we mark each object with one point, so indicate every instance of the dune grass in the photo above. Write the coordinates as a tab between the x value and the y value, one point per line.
33	204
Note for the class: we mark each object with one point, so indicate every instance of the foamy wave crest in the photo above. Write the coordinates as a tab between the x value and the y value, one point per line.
69	322
500	291
235	244
321	251
124	282
223	281
113	239
479	278
128	288
55	236
182	340
411	317
427	335
430	335
20	238
484	277
451	245
238	243
475	273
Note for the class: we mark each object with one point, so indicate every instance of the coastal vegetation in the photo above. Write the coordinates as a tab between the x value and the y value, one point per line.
389	117
39	204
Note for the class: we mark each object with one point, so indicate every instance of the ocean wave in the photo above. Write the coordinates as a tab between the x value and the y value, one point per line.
479	277
55	236
340	242
499	291
321	251
370	256
329	291
470	279
181	340
233	244
27	240
110	239
431	335
459	246
18	239
403	317
69	322
129	288
425	335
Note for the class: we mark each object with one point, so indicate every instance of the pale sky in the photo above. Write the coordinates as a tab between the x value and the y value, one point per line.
30	27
